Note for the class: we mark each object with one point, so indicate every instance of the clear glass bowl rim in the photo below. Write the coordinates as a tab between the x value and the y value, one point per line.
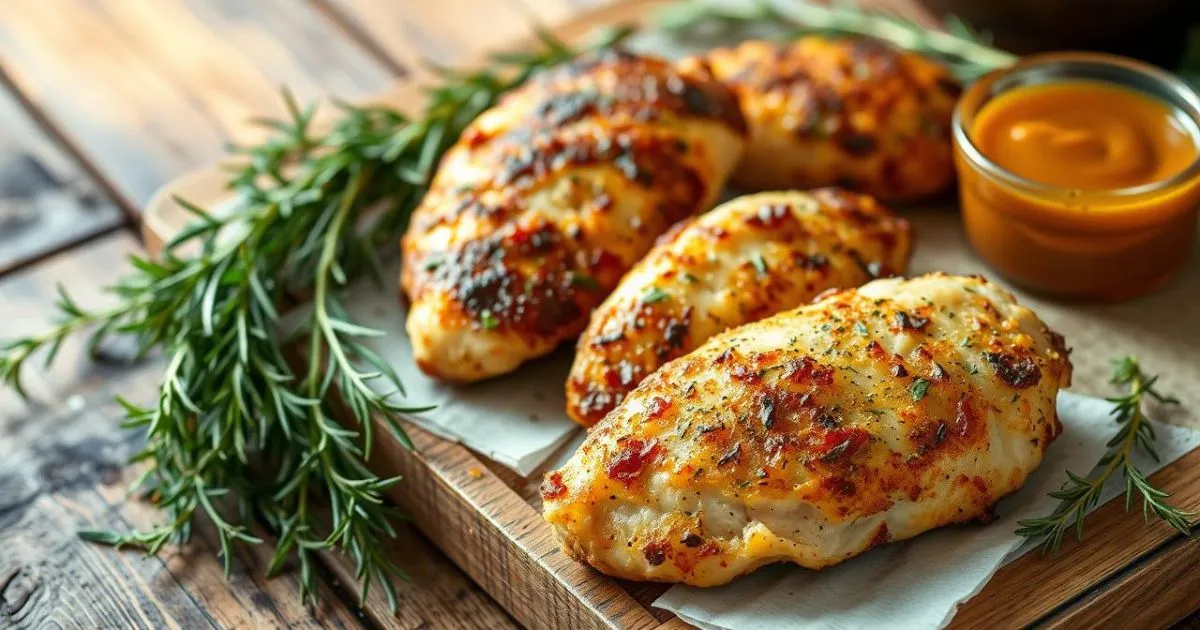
1183	98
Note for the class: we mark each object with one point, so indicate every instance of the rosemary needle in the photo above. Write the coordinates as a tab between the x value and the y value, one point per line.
1080	494
235	433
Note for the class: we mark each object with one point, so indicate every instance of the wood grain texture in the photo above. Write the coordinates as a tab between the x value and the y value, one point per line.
413	33
439	595
149	90
62	468
1150	594
26	301
446	32
47	203
71	475
1114	541
500	540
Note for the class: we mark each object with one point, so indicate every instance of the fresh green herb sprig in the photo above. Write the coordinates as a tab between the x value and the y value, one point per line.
235	433
967	52
1080	494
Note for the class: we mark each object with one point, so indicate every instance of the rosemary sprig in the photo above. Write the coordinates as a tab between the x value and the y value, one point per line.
967	52
1080	494
235	433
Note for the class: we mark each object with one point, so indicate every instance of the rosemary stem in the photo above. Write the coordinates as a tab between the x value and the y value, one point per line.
1080	494
74	324
822	17
328	257
1136	418
966	54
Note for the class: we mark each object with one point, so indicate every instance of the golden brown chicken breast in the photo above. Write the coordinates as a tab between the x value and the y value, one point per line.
848	112
549	197
750	258
872	415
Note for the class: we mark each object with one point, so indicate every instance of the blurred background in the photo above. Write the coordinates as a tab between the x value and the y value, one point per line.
1155	30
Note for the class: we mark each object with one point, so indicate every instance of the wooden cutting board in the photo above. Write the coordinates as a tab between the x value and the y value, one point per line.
1128	574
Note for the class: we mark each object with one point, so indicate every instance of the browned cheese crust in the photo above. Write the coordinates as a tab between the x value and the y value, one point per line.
748	259
855	113
549	197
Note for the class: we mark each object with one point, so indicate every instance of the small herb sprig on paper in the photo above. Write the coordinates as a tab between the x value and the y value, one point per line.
966	51
236	433
1080	494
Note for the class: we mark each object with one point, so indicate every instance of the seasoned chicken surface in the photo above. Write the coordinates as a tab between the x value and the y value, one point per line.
549	197
745	260
872	415
855	113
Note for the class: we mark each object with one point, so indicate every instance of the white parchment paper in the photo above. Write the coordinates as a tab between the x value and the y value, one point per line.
517	420
921	582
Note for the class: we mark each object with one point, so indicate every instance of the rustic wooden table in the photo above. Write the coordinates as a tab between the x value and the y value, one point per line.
102	101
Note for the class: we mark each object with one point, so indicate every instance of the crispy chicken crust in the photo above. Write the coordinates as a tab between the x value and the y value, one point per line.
745	260
855	113
549	197
873	415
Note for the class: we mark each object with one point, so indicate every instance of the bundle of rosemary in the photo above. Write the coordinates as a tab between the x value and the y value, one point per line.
236	433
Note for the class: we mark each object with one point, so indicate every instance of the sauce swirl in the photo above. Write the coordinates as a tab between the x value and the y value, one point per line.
1084	135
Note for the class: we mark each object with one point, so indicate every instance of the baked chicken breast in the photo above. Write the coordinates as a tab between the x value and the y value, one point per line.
549	197
849	112
747	259
872	415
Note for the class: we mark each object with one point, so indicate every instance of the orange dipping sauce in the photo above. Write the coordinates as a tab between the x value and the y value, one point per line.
1079	186
1084	134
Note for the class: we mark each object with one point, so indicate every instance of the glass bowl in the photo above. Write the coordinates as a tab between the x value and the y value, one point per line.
1086	244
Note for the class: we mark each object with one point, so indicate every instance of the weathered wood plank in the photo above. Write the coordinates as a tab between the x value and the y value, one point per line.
55	580
150	90
1114	540
509	550
445	32
71	475
26	306
1148	595
439	596
46	201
